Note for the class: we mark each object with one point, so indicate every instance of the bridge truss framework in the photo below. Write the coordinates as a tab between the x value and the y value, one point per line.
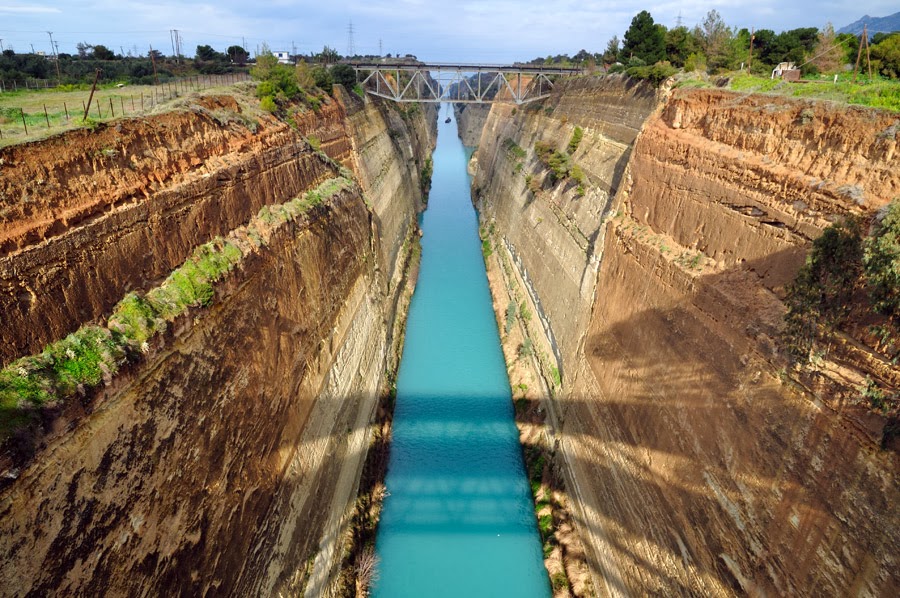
435	82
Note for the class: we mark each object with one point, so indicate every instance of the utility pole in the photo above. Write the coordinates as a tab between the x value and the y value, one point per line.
380	49
153	61
91	97
56	57
294	52
1	45
750	57
868	59
864	39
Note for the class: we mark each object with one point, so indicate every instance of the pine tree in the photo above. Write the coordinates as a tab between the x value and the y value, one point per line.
644	39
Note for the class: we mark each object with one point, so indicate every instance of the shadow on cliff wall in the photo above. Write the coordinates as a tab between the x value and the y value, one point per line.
704	471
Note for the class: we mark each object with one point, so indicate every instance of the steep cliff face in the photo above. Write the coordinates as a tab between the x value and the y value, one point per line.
470	120
226	458
694	463
550	231
90	215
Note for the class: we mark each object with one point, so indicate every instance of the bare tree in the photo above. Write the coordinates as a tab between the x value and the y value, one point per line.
829	55
366	570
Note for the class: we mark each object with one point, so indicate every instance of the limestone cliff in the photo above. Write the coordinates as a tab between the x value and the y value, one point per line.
225	458
694	463
470	120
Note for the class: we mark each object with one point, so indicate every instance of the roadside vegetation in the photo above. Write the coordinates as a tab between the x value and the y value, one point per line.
93	354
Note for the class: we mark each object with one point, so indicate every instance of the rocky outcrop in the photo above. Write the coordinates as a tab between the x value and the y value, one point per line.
225	460
696	464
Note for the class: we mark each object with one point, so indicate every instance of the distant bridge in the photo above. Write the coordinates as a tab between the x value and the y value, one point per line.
446	82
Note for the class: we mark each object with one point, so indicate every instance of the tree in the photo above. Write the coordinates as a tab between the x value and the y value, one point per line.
83	49
101	52
322	78
207	53
882	260
237	54
265	62
829	55
611	54
850	43
680	43
793	45
887	53
644	39
582	56
344	74
303	75
714	36
328	55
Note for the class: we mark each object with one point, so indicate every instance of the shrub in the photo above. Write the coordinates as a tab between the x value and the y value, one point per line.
882	262
322	78
486	248
344	74
510	316
267	103
823	287
526	349
513	148
577	134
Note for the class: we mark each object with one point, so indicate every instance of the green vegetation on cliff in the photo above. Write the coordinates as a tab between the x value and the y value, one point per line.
850	281
93	354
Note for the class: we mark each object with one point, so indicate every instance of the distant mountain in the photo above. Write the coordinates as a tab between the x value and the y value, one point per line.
876	24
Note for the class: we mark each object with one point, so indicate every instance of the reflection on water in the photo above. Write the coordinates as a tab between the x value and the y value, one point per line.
458	520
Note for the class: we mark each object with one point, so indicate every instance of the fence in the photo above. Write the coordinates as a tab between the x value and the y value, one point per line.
16	85
55	112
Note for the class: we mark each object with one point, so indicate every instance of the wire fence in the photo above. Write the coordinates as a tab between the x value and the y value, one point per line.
26	84
41	114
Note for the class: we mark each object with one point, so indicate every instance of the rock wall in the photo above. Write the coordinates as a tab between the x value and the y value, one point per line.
90	215
226	459
470	119
696	464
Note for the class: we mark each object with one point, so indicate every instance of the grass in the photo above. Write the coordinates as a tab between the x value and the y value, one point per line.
126	101
878	93
93	354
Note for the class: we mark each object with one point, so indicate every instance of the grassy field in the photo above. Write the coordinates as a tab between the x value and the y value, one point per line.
878	93
65	106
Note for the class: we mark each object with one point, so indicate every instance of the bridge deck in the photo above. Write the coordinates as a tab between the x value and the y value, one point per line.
467	68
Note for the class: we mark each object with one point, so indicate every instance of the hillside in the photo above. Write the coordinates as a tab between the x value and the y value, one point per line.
875	24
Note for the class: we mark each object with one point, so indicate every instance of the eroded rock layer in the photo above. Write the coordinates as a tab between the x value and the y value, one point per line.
226	459
696	464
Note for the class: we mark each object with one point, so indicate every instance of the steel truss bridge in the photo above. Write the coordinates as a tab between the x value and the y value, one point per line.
442	82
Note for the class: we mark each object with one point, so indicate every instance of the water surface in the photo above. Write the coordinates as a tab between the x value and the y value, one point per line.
459	520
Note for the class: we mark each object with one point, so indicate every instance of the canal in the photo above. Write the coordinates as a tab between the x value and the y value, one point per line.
458	519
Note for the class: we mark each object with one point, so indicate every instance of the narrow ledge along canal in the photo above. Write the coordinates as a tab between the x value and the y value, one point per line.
458	519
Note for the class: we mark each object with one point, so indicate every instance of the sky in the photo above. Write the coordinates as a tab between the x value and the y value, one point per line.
486	31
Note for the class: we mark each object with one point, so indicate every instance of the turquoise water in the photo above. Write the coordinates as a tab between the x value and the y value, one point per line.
458	520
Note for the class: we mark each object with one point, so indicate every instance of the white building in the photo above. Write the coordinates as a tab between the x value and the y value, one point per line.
283	57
